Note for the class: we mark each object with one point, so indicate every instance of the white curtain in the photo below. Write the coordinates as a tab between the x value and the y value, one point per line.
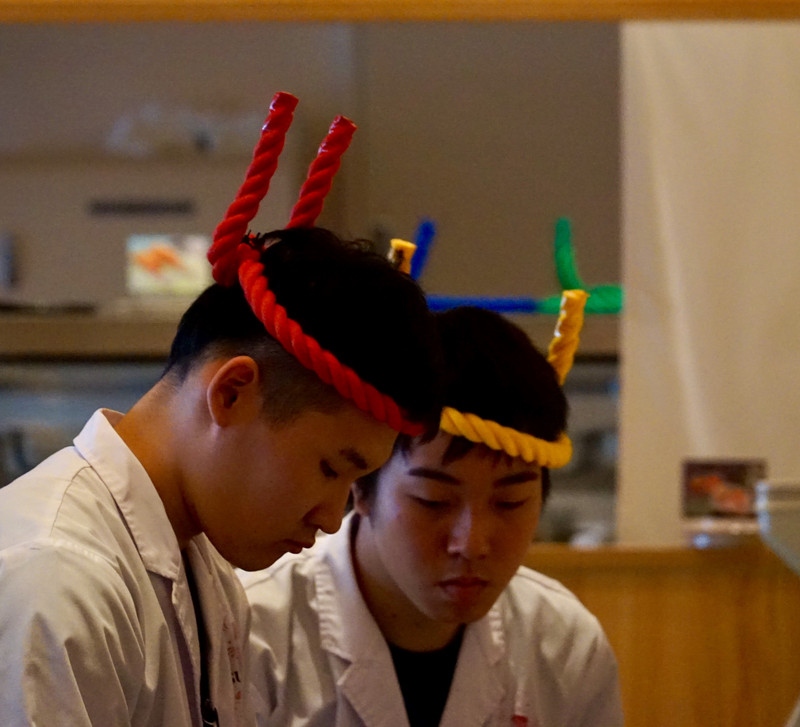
711	258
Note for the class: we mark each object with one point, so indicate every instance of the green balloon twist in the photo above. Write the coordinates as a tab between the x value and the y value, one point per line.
602	298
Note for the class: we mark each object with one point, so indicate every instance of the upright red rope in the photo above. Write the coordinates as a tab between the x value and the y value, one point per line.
321	173
224	252
230	256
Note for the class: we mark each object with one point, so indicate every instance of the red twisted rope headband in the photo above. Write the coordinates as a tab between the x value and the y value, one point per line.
231	257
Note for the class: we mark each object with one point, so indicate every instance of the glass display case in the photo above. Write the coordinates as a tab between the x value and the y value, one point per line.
44	404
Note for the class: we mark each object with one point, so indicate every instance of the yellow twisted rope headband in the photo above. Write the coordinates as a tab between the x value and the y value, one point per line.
560	355
511	441
514	443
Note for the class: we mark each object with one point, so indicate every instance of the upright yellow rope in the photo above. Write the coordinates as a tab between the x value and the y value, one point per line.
562	349
401	254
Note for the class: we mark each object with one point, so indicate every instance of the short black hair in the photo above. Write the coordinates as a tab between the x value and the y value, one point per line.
348	297
493	370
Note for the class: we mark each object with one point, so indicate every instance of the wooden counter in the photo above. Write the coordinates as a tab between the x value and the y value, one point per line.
705	638
382	10
87	335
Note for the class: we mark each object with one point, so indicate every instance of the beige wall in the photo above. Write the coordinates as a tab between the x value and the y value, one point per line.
710	335
493	129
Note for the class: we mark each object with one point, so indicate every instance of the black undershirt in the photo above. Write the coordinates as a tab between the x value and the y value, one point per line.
207	710
425	678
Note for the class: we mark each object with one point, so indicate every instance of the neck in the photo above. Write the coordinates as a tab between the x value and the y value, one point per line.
149	432
400	621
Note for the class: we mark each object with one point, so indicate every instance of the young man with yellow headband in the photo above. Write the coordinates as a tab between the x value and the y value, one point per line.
418	613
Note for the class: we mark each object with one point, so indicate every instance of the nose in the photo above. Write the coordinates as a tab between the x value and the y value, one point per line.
327	515
470	535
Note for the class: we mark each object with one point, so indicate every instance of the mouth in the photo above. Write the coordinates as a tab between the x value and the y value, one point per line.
465	581
297	546
464	589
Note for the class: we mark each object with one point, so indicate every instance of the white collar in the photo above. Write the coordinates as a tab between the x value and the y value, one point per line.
133	491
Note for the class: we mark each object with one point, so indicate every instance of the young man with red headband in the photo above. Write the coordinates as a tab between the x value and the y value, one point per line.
118	605
417	613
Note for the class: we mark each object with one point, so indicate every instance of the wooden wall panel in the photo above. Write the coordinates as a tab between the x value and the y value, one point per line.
708	638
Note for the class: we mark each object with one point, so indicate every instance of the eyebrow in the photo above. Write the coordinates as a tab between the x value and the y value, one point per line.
355	458
439	476
431	474
518	478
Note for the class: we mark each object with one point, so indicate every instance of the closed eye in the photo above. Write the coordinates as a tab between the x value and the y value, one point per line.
431	504
328	471
512	504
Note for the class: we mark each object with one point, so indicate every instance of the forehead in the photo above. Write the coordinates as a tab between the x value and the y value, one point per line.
472	463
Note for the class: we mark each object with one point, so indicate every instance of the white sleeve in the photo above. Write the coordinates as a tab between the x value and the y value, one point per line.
71	645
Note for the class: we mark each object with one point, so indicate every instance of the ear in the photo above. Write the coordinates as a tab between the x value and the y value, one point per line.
234	392
361	503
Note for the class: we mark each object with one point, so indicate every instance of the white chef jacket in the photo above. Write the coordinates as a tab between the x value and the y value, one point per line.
537	659
97	624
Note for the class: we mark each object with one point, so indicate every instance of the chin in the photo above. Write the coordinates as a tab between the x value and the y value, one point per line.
251	560
470	615
459	614
259	564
